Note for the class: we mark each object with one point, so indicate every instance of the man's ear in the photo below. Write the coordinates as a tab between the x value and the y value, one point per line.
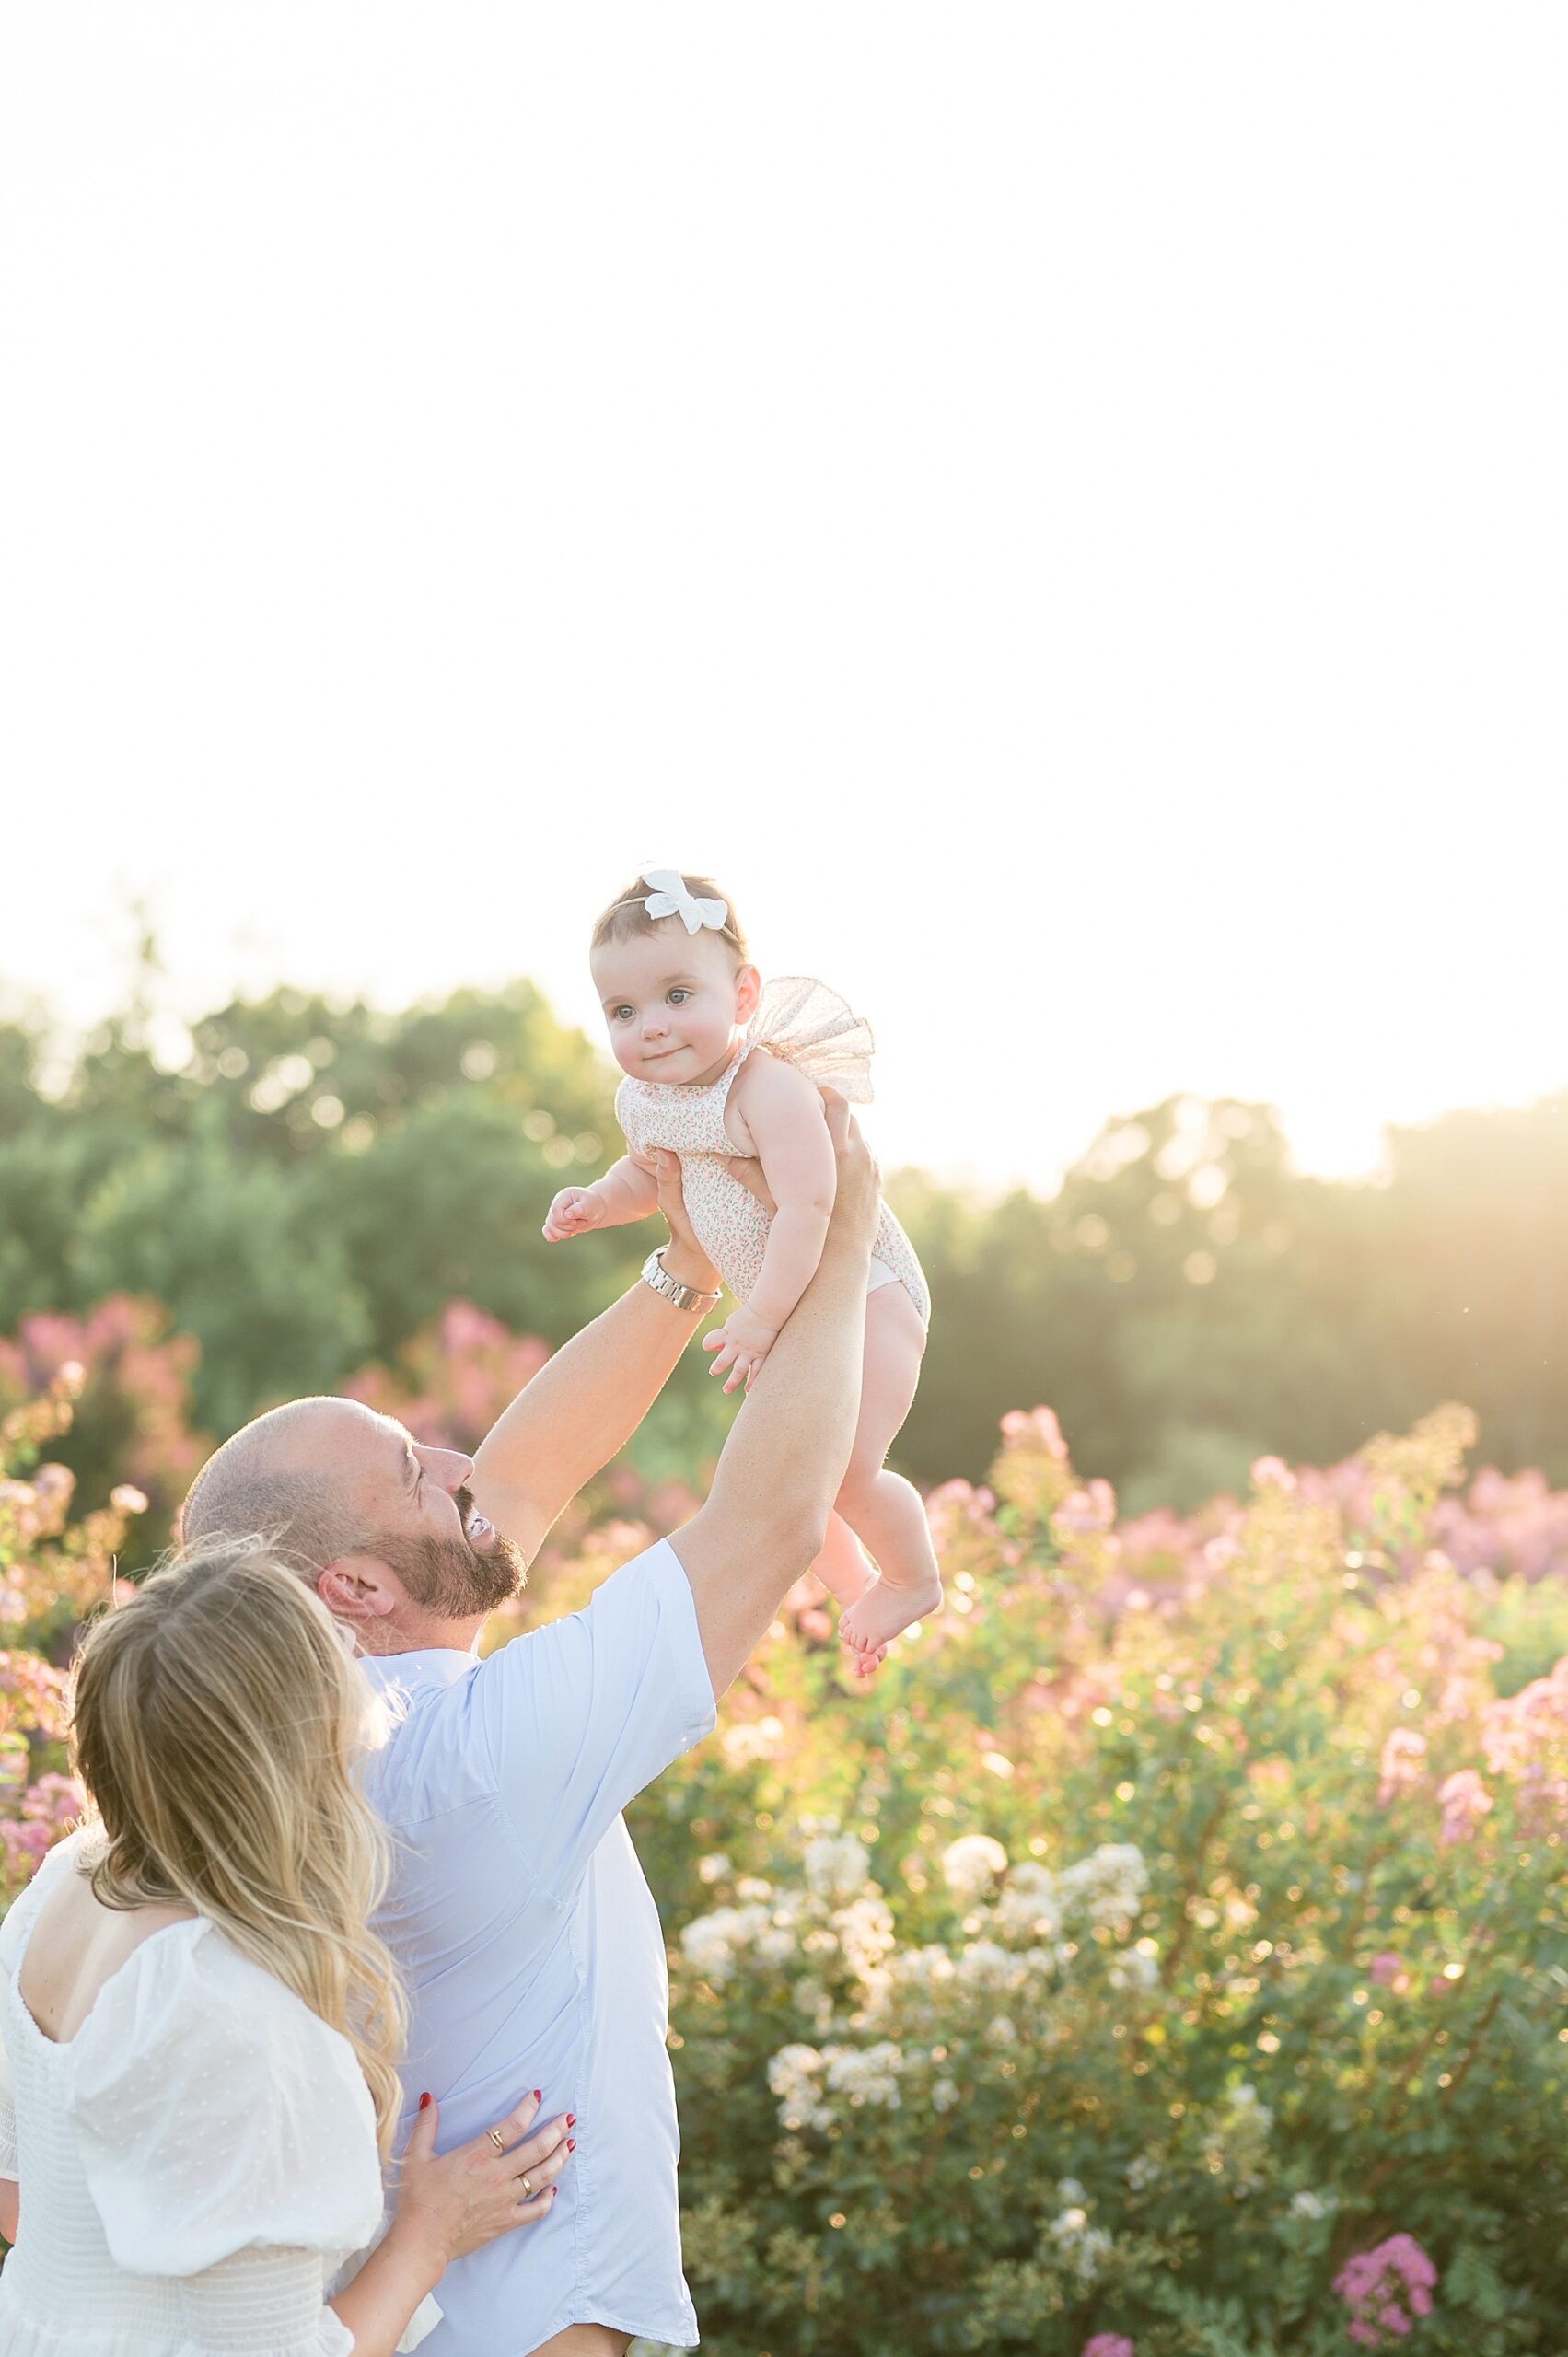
748	991
359	1588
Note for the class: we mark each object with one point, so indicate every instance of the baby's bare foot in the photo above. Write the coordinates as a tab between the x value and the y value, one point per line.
883	1612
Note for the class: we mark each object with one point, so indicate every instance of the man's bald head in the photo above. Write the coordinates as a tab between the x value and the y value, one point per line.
295	1476
326	1480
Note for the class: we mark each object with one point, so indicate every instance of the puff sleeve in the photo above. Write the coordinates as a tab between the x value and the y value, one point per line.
214	2113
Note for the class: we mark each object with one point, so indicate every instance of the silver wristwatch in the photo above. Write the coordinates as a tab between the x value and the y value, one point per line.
654	1274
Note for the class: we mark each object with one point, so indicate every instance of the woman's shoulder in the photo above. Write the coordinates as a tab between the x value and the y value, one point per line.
214	2110
187	1989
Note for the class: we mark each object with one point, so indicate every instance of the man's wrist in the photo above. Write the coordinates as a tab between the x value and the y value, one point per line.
690	1267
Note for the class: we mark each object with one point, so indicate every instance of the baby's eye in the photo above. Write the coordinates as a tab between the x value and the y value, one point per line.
622	1014
677	997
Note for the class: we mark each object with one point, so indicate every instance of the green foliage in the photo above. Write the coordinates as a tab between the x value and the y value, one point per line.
305	1186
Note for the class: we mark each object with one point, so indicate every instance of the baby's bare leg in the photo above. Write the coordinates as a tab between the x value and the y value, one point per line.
842	1566
883	1509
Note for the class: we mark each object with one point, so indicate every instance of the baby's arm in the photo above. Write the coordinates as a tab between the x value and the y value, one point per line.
782	1113
628	1190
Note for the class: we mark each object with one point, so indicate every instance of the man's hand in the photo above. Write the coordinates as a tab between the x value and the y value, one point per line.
748	1171
574	1211
857	1204
742	1342
684	1258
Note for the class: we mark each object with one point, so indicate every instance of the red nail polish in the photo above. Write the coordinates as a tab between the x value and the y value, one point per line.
571	2119
537	2096
571	2143
424	2101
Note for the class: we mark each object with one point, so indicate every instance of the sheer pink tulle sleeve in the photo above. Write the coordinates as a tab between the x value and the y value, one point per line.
806	1024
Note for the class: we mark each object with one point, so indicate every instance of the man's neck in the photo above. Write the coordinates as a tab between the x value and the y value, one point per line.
418	1634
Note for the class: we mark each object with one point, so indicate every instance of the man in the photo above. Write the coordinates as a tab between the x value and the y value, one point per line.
526	1933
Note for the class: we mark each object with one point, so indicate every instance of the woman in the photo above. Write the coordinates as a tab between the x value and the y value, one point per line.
202	2032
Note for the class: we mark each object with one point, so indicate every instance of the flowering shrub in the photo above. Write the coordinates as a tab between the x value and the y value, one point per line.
1166	1952
51	1571
1163	1956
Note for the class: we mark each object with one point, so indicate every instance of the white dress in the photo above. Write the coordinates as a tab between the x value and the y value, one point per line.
194	2165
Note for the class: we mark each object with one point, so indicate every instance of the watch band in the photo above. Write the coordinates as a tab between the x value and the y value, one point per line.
671	1289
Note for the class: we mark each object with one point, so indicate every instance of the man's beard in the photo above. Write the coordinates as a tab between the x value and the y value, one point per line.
451	1578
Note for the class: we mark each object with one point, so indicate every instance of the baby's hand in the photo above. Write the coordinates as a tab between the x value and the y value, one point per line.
574	1212
742	1342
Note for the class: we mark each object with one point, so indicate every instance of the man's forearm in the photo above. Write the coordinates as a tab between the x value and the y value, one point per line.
583	1405
782	1463
791	1442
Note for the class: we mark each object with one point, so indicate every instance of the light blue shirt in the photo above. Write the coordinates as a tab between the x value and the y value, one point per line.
531	1948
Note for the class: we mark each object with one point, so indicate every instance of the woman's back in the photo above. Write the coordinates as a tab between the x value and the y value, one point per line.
197	2150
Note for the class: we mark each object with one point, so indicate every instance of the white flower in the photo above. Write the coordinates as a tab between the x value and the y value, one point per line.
1001	2031
753	1886
712	1943
1030	1905
1108	1885
865	2074
983	1965
792	2075
1313	2205
1246	2113
1084	2247
836	1865
1142	2170
865	1934
971	1863
943	2096
712	1869
1069	2189
751	1740
1133	1969
775	1942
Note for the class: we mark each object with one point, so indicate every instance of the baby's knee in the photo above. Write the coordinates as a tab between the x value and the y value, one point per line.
860	1484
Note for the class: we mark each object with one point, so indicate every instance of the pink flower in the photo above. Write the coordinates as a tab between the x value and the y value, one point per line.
1464	1801
1036	1428
1404	1764
1109	2344
1378	2286
54	1802
1389	1969
1273	1473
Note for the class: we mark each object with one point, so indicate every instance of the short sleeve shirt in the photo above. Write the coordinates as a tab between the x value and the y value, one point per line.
530	1945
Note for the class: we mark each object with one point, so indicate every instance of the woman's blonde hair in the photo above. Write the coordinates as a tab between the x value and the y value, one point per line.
217	1717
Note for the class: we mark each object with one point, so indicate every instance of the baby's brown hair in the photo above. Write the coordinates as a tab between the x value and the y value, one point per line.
628	915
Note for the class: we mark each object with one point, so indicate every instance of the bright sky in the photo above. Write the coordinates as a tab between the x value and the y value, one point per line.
1062	509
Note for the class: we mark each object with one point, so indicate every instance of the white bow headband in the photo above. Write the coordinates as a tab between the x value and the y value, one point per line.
670	898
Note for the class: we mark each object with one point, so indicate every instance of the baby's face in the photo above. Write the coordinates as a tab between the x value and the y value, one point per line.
675	1002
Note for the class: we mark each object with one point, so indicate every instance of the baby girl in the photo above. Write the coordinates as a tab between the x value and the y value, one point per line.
717	1066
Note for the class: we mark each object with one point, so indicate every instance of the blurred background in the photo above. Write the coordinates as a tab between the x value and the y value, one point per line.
1060	512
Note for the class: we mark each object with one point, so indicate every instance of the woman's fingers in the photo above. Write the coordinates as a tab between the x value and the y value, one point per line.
552	2138
422	2135
542	2171
518	2122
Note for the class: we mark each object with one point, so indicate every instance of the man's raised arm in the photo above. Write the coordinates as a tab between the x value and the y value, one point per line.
767	1515
589	1398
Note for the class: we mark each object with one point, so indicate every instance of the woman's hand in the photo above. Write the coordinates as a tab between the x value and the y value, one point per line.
453	2203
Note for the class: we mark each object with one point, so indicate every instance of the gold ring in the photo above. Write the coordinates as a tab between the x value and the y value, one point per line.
527	2183
498	2139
